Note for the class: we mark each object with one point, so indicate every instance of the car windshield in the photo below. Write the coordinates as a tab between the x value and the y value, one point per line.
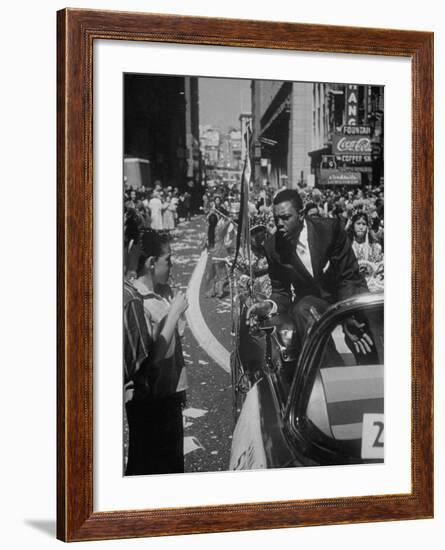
347	383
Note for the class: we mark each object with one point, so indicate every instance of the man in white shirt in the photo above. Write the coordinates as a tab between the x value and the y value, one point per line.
311	266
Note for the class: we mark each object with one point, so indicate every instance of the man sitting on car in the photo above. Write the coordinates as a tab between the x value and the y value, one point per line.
311	266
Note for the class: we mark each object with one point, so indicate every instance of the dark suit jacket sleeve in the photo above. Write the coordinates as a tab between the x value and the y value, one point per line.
344	265
281	290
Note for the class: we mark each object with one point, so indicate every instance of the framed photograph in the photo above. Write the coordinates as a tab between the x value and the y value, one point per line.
243	342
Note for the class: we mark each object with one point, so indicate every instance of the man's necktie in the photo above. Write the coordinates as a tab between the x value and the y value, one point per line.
304	255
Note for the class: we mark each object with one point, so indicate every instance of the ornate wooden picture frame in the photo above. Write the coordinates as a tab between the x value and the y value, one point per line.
77	31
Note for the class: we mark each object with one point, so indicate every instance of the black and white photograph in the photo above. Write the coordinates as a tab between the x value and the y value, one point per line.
253	284
228	346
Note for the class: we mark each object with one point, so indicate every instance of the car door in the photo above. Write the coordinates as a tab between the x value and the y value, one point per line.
261	367
335	413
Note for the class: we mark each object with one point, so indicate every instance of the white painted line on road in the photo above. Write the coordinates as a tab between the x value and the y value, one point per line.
195	320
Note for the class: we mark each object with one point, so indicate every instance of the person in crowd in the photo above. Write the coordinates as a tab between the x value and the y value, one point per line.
176	204
144	216
226	205
311	265
376	228
180	212
311	210
132	228
380	206
339	213
187	205
217	273
364	245
317	198
260	203
261	282
156	207
212	220
205	203
381	233
168	216
146	198
368	251
252	208
219	206
132	201
154	371
262	198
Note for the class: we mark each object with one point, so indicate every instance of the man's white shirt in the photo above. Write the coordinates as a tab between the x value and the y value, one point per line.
304	254
303	251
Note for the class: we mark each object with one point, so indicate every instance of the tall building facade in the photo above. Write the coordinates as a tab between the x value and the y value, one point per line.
281	132
161	128
307	134
348	134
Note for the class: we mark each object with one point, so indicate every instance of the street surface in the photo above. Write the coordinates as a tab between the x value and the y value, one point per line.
208	414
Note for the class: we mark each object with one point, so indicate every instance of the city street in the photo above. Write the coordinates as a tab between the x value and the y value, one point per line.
231	147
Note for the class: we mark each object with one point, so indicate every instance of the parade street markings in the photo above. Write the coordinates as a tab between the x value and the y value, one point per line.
191	412
191	444
195	320
207	432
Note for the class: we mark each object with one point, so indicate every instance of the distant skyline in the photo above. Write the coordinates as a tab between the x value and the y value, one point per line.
222	100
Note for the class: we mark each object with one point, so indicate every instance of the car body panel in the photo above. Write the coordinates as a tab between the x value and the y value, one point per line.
306	415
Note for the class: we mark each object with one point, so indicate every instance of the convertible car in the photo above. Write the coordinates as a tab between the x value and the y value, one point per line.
309	404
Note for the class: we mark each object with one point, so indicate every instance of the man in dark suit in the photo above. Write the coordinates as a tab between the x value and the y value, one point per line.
311	266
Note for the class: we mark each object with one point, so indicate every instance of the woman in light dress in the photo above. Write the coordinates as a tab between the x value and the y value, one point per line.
156	206
170	206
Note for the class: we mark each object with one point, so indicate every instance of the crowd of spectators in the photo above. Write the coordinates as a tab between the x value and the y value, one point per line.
360	211
344	204
155	208
341	203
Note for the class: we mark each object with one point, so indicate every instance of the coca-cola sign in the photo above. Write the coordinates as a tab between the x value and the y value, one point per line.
342	145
